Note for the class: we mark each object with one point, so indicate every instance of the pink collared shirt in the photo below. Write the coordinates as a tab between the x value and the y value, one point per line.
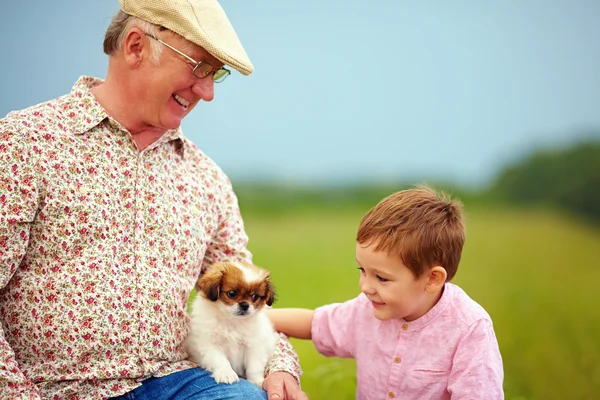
449	353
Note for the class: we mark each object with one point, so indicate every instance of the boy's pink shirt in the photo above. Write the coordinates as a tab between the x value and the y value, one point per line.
449	353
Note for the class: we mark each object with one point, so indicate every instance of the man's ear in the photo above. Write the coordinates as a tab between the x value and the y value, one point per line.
135	47
436	277
210	283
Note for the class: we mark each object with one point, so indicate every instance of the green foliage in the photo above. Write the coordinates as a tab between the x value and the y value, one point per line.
534	271
568	178
536	274
274	199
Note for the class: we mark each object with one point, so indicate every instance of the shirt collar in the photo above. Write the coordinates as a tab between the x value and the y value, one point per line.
175	136
444	301
83	112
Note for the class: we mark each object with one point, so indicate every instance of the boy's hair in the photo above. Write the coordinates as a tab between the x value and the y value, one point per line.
421	226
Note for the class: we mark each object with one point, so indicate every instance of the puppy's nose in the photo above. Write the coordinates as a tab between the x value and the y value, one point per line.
244	306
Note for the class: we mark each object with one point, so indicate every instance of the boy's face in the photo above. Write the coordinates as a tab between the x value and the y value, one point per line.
391	286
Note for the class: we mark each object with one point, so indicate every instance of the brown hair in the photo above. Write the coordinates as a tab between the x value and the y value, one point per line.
423	227
118	29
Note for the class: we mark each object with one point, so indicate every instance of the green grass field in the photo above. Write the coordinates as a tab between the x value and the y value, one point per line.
536	273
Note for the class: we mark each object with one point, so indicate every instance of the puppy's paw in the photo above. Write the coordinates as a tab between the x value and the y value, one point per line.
225	375
257	380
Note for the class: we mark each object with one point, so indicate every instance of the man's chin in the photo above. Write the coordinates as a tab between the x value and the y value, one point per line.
173	124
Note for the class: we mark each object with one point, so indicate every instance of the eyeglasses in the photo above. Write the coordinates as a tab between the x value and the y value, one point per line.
200	69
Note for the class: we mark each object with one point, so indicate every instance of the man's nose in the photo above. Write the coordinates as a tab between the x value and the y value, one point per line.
204	88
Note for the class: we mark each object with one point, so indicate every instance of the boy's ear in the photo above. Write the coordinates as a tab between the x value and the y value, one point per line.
436	277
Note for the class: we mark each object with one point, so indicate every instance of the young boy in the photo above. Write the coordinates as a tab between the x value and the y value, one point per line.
414	335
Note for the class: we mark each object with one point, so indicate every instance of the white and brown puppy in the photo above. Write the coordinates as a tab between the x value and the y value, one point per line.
230	334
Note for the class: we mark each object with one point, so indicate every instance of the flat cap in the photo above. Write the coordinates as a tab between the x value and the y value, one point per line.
202	22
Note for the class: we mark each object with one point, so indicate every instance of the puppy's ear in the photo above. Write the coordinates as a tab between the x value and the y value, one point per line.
210	283
270	292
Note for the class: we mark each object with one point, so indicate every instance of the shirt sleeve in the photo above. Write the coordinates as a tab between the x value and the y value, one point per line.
284	359
477	371
18	207
229	241
333	328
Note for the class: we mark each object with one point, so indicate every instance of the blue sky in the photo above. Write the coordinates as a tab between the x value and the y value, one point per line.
354	90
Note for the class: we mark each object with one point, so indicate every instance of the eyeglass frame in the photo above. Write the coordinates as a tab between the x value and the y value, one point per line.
196	63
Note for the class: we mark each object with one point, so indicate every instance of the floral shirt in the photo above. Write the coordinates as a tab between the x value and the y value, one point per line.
100	247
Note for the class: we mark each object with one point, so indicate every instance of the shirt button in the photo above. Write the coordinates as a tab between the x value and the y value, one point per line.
397	360
404	327
391	395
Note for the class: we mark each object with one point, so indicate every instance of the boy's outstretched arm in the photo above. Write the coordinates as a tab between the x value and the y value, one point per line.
294	322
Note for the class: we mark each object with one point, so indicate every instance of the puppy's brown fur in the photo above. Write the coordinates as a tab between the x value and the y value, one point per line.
230	334
225	281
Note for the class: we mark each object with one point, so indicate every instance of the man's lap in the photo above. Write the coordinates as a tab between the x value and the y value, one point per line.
196	384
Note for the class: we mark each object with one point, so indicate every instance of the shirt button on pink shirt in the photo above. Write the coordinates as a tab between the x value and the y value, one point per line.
451	352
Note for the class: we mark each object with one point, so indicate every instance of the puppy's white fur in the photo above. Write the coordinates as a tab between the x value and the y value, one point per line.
227	340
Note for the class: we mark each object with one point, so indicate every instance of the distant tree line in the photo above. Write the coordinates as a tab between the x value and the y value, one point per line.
567	177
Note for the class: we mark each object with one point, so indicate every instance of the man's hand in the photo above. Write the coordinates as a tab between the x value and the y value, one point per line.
283	386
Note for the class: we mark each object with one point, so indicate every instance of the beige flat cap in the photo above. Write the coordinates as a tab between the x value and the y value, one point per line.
202	22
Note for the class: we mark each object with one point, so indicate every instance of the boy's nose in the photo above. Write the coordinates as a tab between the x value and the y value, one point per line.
366	288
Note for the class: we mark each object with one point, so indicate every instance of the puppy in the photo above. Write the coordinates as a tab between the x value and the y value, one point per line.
230	334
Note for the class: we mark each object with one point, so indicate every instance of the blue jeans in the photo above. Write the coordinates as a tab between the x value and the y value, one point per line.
196	384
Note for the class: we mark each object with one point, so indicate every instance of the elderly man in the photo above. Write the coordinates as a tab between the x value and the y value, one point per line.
109	214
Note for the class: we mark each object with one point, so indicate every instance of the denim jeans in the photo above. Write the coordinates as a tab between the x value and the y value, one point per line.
195	383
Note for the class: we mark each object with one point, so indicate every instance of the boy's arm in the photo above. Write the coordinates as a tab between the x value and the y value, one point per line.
332	327
294	322
477	365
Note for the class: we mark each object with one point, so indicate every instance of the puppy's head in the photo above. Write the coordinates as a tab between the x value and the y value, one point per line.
241	289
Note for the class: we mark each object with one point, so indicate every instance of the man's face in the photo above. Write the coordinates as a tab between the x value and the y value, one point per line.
169	90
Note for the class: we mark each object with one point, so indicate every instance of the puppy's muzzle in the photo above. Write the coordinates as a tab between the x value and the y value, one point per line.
243	308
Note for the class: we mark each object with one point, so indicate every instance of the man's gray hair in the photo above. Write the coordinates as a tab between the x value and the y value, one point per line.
119	28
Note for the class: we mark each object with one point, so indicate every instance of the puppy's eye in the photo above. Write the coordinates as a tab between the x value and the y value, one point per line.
254	297
231	294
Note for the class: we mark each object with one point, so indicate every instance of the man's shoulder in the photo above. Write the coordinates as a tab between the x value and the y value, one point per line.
200	163
40	118
195	156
